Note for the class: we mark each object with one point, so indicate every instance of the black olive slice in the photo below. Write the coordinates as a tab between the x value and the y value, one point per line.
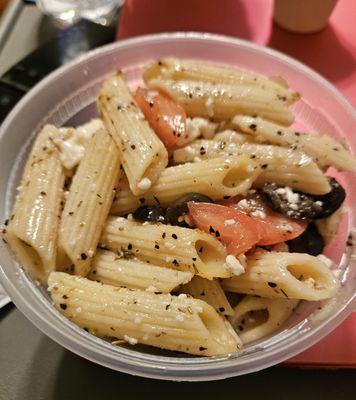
299	205
303	207
176	211
310	242
150	214
333	200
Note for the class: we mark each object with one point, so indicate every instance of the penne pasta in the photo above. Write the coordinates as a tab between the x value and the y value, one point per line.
323	149
143	155
32	229
179	69
285	275
255	317
216	178
107	267
88	203
285	167
222	101
164	321
168	246
209	291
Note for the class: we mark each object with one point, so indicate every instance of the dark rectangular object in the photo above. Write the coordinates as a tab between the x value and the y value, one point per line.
9	96
66	46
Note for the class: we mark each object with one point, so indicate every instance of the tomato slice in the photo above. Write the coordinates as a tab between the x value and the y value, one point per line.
236	230
166	117
278	228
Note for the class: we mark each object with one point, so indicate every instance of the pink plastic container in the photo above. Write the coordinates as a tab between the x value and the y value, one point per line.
68	95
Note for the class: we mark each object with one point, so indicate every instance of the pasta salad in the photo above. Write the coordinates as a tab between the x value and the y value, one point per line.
191	216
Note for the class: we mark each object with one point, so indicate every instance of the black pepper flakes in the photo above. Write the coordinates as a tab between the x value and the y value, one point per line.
226	197
141	200
83	256
264	166
163	235
156	246
211	229
217	234
63	306
222	309
133	147
279	133
201	348
129	246
272	284
174	236
253	127
6	223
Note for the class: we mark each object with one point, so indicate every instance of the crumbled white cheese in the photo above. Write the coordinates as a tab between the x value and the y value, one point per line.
258	214
151	289
249	168
310	282
90	253
73	141
234	265
78	309
137	320
196	127
291	196
182	296
228	222
144	184
325	260
130	340
198	309
243	204
180	317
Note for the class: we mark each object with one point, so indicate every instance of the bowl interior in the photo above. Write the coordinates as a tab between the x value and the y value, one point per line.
67	97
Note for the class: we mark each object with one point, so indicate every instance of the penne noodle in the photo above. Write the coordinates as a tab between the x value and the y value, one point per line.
256	317
285	275
222	101
32	229
160	320
143	155
88	203
323	149
107	267
216	178
209	291
283	166
179	69
167	246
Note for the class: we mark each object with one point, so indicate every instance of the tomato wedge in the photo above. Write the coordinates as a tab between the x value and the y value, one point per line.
236	230
166	117
278	228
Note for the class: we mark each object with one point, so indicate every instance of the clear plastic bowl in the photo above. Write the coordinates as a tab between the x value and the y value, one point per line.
68	95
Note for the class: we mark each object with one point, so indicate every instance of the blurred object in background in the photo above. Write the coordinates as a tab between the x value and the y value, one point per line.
3	4
303	16
69	11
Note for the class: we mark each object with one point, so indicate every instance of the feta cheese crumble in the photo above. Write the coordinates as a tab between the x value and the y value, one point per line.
130	340
234	265
73	141
144	184
229	222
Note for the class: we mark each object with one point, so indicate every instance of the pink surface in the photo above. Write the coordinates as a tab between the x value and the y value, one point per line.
331	52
